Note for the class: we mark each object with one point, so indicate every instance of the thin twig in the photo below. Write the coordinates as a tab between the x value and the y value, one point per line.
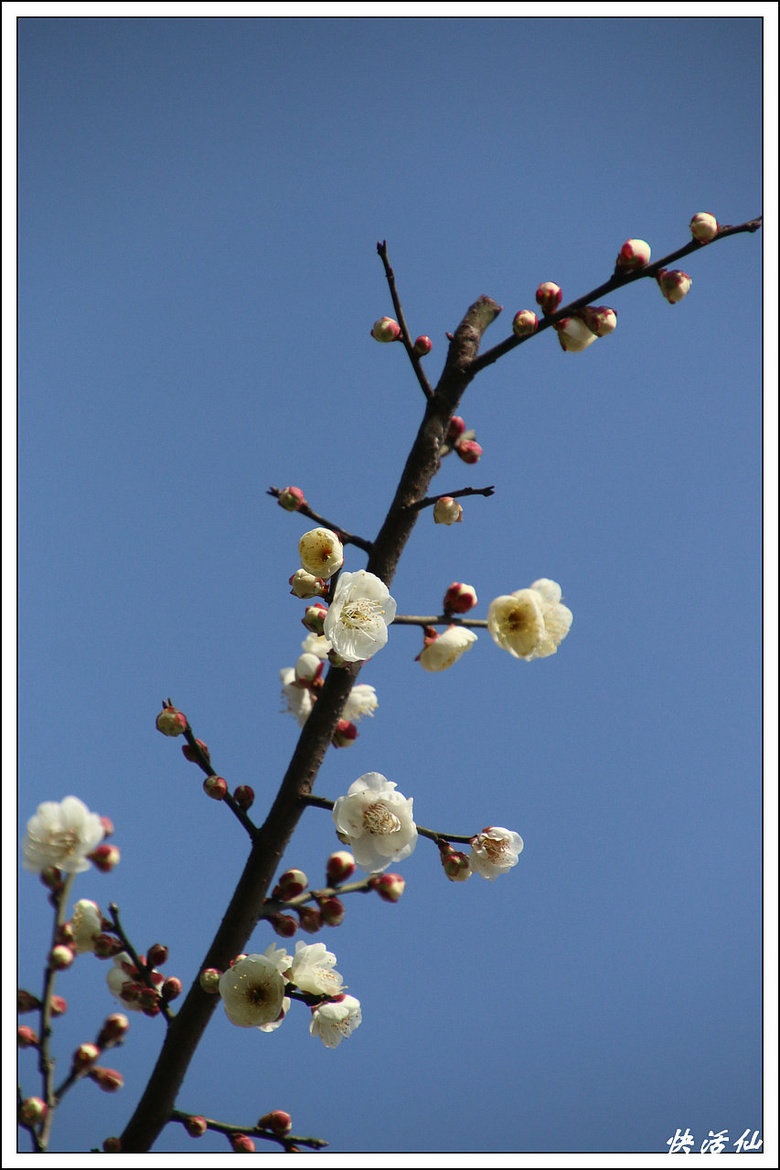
344	536
443	619
618	280
429	501
414	358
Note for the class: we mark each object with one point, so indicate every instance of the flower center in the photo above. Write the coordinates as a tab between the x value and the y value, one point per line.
362	612
60	843
497	851
378	819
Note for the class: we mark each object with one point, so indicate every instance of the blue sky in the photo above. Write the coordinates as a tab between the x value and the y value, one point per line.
199	204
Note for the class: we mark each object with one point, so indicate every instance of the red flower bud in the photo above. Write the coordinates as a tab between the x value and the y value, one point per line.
291	499
196	1126
170	721
215	787
332	910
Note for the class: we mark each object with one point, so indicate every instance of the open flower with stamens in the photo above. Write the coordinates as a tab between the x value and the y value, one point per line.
335	1021
61	835
359	614
494	851
313	970
252	990
376	822
530	623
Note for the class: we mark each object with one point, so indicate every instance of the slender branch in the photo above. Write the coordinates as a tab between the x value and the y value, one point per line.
429	501
344	536
45	1059
144	969
618	280
414	358
253	1131
203	760
443	619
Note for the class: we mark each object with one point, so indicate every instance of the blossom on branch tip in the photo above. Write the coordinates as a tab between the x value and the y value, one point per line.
530	623
524	323
386	329
335	1021
574	335
376	822
61	836
171	722
633	254
291	499
441	651
321	552
313	970
423	345
252	990
673	283
549	297
494	851
704	227
446	510
306	584
459	598
359	614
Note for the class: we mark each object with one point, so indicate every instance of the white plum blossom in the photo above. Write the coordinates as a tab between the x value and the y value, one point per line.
298	698
530	623
443	652
333	1022
376	822
704	227
85	924
61	835
321	552
361	701
316	644
574	335
313	970
308	667
359	614
252	990
124	976
494	851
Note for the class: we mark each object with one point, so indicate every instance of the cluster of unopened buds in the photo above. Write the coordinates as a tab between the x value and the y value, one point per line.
386	329
141	987
494	852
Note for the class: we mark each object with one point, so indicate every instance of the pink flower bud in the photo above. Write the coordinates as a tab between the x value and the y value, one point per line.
314	617
190	754
209	980
284	925
600	319
58	1005
32	1111
309	918
704	227
386	329
524	323
548	297
340	868
112	1145
244	797
673	283
291	499
242	1144
345	734
26	1001
196	1126
85	1055
468	450
108	826
389	886
107	1079
157	955
105	946
306	584
423	345
26	1037
114	1029
105	858
277	1121
171	722
459	598
456	428
171	988
292	883
633	254
332	910
447	511
215	787
61	957
456	866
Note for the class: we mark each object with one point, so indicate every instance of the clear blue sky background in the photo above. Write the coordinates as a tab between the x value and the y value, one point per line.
199	203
